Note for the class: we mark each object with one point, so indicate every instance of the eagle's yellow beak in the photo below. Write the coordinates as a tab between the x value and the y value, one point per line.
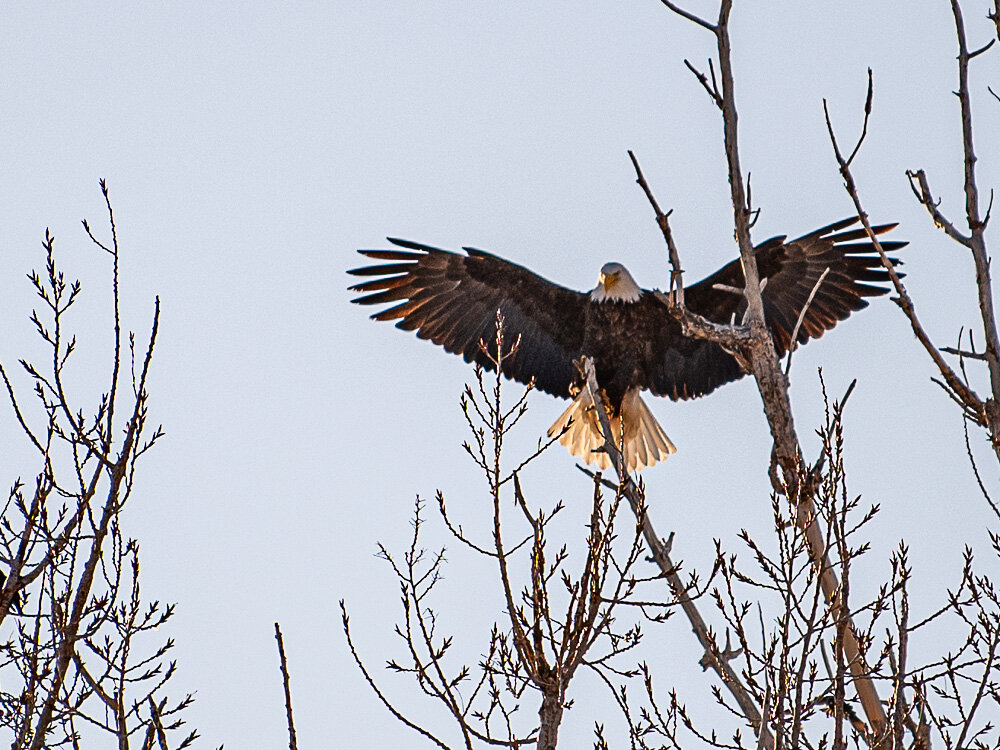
609	280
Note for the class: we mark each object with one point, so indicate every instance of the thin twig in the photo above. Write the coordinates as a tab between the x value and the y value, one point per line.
371	682
802	315
963	353
689	16
663	220
292	742
712	87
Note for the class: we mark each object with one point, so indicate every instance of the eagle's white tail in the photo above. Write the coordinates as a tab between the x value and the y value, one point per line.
645	441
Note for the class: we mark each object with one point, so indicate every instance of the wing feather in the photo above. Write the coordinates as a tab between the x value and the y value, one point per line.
452	300
792	269
687	368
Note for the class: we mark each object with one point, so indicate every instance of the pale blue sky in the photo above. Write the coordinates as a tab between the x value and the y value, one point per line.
251	147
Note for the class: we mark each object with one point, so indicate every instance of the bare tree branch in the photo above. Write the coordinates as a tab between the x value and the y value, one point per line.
292	742
661	556
759	352
663	220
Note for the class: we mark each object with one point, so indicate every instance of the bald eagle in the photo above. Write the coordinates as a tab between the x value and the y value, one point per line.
636	344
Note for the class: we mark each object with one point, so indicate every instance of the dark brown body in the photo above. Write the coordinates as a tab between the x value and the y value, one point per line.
640	345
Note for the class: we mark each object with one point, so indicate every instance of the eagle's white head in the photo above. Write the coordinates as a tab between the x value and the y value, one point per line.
615	284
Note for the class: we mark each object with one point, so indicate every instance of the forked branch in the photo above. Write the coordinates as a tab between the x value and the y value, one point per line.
985	412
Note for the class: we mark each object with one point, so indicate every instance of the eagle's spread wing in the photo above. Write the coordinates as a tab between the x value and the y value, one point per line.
792	269
453	299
